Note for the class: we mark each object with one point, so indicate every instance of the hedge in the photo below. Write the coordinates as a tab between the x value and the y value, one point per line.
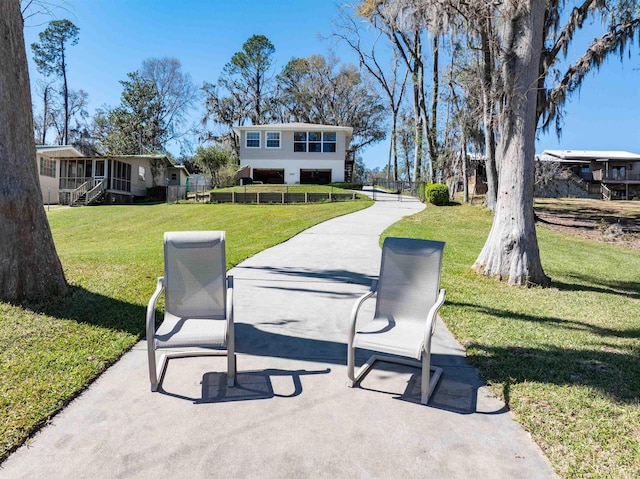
437	194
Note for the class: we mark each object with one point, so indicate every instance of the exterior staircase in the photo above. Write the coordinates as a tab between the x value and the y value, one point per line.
86	195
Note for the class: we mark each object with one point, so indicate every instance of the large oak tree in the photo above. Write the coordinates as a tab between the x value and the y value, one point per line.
29	266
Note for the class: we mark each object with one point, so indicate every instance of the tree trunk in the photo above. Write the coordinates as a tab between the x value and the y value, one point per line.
65	135
29	266
417	155
45	114
465	170
394	141
433	130
488	112
511	250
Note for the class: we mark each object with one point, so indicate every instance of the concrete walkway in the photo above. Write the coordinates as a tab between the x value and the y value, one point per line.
291	415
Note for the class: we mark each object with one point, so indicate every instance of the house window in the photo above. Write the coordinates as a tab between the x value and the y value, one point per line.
329	142
314	141
253	139
273	139
141	173
47	167
121	176
300	141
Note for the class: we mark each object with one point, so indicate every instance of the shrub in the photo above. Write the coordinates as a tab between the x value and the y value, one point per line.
437	194
158	193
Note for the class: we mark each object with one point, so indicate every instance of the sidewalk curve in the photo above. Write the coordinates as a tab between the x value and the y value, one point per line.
291	415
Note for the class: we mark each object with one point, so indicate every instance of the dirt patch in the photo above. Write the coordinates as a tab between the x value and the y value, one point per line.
592	219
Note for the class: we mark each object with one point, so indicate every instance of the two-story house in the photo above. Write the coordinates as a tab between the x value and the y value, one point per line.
292	153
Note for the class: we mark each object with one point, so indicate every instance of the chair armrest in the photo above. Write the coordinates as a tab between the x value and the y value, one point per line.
431	317
151	309
356	309
230	299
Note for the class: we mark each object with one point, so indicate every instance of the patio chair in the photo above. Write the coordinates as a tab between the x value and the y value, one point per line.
408	297
198	302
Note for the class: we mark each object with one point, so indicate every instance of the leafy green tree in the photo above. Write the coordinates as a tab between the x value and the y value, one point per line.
212	160
30	269
50	56
244	91
133	127
249	70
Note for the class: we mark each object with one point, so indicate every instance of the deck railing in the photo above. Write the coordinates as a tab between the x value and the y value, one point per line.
79	191
94	192
600	175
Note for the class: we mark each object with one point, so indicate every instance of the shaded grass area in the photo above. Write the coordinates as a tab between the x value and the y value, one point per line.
566	359
112	257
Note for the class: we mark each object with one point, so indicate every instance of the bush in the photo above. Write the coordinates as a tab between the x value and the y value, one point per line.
437	194
157	193
347	186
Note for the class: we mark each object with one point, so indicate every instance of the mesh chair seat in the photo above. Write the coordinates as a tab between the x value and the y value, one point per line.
175	332
391	337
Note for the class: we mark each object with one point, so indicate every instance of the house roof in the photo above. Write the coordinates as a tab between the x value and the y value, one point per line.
294	126
58	150
589	155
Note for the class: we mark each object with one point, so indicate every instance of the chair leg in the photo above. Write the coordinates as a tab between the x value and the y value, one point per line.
350	366
231	369
153	372
426	377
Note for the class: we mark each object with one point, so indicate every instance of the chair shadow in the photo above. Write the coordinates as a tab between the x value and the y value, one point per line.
457	390
250	386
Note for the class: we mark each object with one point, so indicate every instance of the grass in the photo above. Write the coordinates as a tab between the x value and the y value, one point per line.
591	209
566	359
112	257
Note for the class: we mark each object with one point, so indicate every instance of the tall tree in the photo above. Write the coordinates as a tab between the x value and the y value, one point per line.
532	40
134	127
317	90
404	22
43	120
511	250
243	92
391	80
29	266
78	115
177	94
251	66
50	56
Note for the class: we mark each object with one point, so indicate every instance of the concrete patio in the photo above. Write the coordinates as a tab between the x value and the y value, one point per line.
291	415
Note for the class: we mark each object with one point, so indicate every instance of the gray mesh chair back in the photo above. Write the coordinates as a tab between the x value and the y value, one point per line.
408	297
195	274
409	279
198	302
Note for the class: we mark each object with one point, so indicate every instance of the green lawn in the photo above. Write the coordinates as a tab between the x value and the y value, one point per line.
566	359
112	256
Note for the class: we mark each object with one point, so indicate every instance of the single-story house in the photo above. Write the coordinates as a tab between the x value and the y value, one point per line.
68	177
615	174
48	164
289	153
